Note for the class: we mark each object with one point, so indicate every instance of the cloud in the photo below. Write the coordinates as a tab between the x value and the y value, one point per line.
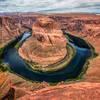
90	6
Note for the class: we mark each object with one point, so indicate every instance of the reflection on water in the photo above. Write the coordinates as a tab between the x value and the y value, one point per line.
26	35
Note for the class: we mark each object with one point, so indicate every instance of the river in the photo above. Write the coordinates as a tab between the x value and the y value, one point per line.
72	70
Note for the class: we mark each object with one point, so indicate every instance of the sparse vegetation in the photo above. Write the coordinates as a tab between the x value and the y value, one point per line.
17	45
80	76
71	52
59	65
2	50
53	84
85	67
94	54
4	67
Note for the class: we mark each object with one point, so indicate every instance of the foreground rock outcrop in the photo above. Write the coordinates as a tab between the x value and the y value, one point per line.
47	45
5	84
75	91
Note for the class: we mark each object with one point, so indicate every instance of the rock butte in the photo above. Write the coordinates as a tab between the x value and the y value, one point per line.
47	45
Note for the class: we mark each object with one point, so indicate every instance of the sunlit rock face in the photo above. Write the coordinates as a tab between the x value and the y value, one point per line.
47	45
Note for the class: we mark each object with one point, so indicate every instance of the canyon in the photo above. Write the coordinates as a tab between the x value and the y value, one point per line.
86	26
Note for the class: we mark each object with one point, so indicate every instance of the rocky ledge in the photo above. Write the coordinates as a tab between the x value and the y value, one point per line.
47	45
75	91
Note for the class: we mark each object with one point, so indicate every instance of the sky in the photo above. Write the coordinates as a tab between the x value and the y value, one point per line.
50	6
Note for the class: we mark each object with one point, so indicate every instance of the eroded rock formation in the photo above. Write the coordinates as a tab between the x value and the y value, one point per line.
75	91
5	84
12	27
47	45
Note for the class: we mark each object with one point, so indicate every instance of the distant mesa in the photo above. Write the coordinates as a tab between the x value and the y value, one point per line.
47	45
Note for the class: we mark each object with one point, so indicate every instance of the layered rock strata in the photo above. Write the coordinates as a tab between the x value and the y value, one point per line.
74	91
5	84
47	45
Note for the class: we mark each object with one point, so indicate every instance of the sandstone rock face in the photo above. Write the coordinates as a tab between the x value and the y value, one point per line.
5	84
75	91
47	45
84	25
12	26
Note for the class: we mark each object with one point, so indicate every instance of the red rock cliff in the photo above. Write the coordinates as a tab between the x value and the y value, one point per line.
5	84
